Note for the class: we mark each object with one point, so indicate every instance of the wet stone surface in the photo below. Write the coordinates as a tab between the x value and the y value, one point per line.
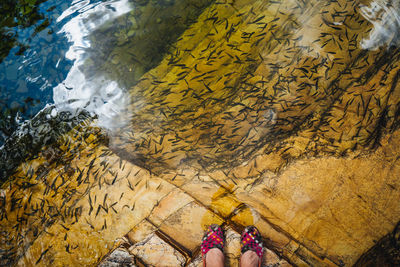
118	258
156	252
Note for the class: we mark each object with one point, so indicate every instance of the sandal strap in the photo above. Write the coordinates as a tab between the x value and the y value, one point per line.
252	240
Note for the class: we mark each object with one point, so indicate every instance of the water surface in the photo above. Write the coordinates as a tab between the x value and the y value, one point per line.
145	98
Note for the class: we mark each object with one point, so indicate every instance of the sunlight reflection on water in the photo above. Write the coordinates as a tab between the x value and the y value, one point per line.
96	93
384	15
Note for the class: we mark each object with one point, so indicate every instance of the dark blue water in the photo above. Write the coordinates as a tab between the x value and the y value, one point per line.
75	53
37	61
27	78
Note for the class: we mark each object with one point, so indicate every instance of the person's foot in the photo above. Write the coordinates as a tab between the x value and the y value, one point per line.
251	247
249	259
212	247
214	258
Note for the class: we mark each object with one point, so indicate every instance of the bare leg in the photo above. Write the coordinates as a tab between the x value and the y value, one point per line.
249	259
214	258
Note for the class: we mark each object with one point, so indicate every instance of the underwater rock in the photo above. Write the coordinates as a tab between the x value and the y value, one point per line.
240	83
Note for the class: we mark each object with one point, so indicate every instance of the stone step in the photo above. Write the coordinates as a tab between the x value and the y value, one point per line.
155	248
155	251
175	226
215	195
171	235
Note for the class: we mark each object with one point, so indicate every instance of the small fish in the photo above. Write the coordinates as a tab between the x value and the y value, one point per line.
258	19
42	254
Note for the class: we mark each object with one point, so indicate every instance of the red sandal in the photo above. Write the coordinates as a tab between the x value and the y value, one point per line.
213	238
252	240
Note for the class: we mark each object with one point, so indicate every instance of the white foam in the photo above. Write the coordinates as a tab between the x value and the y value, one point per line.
53	112
384	15
96	94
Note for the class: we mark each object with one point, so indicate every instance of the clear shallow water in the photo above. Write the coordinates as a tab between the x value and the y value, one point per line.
81	55
42	59
75	55
252	86
288	79
53	58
